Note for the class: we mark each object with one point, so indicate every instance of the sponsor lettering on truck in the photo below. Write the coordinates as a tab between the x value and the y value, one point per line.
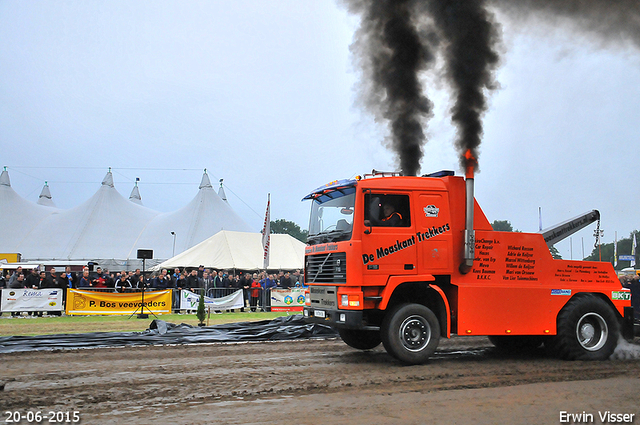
405	261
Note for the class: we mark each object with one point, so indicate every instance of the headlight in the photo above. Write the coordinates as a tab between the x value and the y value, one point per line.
344	300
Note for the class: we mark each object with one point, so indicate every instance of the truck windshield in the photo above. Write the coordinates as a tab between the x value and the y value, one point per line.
332	219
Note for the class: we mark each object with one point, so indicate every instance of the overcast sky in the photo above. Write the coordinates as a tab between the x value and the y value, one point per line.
262	94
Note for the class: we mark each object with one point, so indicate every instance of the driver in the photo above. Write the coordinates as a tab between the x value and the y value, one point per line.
391	218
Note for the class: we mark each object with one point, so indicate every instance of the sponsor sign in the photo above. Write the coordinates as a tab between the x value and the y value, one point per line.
190	300
621	295
561	292
81	302
287	299
48	299
626	257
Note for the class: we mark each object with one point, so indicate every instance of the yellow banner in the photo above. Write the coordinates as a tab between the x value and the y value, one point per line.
90	302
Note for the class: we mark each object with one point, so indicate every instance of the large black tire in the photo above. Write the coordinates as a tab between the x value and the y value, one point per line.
516	343
588	329
410	333
359	339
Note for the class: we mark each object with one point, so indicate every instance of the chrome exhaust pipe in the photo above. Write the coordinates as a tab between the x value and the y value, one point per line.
469	233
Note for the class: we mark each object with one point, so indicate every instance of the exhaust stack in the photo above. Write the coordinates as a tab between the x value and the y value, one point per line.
469	233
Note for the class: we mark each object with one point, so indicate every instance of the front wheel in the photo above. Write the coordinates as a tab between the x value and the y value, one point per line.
587	330
361	340
410	333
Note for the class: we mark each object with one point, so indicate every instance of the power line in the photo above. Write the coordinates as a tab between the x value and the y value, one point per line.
142	183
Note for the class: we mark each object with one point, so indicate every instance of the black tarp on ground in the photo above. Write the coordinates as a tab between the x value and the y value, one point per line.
161	332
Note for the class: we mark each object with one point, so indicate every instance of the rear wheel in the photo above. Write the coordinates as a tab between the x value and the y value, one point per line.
359	339
587	330
410	333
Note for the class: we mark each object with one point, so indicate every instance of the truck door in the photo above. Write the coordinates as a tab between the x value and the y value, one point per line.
434	233
389	242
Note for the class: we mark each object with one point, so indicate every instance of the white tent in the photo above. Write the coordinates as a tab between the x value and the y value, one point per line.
105	226
108	229
241	251
204	216
18	217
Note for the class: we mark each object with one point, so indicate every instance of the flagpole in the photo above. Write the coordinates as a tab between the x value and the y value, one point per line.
615	251
266	234
633	252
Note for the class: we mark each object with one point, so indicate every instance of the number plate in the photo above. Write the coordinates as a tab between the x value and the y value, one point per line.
318	313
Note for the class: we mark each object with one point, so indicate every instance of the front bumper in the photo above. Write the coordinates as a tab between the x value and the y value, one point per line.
347	319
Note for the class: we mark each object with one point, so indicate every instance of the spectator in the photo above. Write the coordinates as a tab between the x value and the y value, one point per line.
161	282
63	281
201	271
207	281
285	281
72	276
141	283
14	276
110	279
268	284
192	281
135	279
85	280
176	275
51	281
181	282
297	279
255	291
42	279
33	280
123	284
98	279
226	282
18	282
3	282
218	282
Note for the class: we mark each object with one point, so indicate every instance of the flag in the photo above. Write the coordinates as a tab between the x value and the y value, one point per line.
266	235
633	251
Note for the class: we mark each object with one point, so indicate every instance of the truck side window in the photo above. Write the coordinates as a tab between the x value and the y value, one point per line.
387	210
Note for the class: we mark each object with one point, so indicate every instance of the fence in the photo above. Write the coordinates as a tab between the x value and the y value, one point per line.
276	299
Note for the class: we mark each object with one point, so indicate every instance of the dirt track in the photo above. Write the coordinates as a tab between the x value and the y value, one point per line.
318	381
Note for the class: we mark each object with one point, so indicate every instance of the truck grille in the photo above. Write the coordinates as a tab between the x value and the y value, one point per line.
326	268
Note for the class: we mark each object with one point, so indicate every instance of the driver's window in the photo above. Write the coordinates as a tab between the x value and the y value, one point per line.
387	210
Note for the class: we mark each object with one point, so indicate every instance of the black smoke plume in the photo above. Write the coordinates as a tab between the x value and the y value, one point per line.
392	53
611	22
470	37
398	40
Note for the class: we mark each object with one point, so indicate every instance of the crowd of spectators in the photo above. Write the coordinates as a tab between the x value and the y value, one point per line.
212	282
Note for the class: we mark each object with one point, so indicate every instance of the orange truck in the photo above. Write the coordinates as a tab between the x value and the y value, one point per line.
408	260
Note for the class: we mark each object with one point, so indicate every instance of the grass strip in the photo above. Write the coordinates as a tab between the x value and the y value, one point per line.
28	325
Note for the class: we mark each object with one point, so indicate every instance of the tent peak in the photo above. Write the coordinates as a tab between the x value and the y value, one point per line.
46	193
205	181
135	195
221	192
108	179
45	197
4	178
